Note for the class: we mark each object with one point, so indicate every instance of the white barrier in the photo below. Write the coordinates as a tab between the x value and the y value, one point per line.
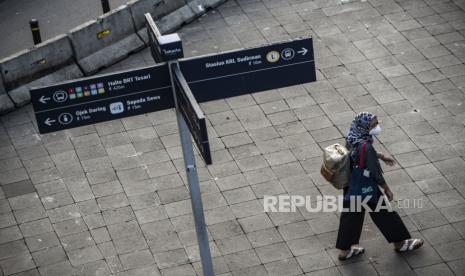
157	8
2	87
140	7
6	105
105	41
21	95
174	20
186	14
170	14
36	62
210	4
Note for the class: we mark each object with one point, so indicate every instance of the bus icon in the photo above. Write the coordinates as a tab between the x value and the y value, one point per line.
288	54
60	96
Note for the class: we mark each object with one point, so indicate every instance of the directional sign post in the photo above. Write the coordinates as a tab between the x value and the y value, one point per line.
191	121
179	83
162	47
191	112
103	98
240	72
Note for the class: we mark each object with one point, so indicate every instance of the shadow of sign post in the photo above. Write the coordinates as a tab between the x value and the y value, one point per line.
180	83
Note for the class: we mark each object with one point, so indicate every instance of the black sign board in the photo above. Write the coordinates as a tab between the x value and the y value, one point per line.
102	98
118	95
234	73
170	47
162	47
192	114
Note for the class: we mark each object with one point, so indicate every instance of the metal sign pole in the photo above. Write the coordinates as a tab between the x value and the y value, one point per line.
169	48
194	188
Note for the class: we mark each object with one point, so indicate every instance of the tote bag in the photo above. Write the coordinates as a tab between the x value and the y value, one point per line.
336	166
361	183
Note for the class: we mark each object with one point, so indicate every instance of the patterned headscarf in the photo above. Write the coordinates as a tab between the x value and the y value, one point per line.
359	128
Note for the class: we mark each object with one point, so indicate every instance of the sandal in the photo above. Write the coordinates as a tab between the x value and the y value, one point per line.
410	245
354	251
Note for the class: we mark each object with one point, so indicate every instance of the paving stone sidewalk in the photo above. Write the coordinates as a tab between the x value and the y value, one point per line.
111	198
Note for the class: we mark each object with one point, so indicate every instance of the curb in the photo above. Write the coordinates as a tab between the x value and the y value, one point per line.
91	46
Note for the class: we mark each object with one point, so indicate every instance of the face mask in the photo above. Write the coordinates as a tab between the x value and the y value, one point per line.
375	131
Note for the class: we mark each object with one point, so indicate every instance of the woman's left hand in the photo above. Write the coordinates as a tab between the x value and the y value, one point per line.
388	160
389	194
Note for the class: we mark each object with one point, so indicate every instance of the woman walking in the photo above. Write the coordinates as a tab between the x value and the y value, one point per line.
359	141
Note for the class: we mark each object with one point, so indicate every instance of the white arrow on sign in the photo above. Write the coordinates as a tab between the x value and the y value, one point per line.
44	99
49	121
304	51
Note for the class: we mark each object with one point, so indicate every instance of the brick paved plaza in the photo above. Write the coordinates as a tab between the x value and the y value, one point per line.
112	198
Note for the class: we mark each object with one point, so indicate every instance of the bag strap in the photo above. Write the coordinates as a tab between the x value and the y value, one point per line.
361	162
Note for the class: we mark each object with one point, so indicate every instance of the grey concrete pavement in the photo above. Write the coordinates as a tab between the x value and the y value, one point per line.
111	198
55	17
